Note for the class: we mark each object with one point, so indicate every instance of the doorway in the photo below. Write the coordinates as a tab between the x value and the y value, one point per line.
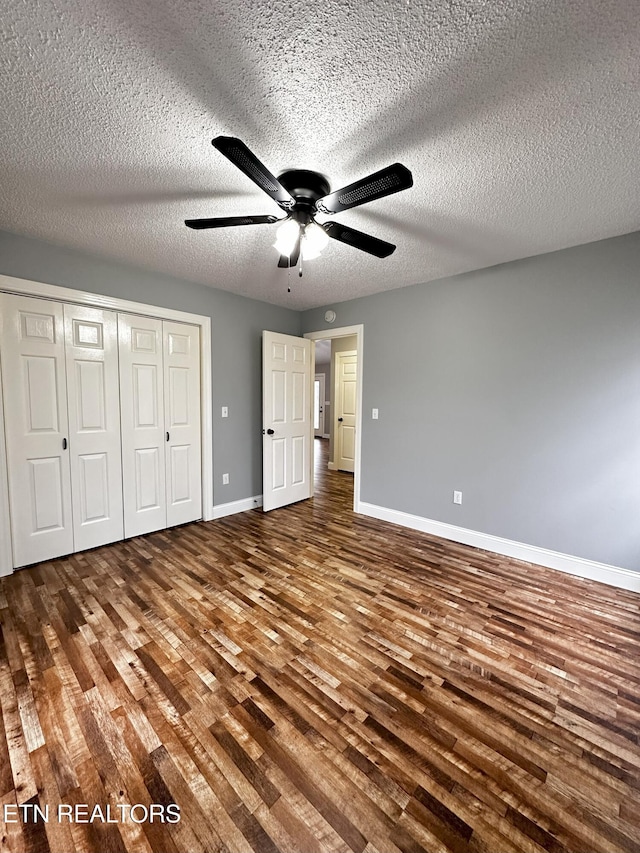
319	404
334	335
345	382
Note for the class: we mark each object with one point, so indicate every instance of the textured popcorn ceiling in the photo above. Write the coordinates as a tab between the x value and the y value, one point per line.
520	121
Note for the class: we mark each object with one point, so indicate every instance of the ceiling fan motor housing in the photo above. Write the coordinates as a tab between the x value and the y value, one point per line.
306	187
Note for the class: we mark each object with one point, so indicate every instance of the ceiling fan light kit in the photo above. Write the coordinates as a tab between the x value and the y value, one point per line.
301	194
314	241
286	237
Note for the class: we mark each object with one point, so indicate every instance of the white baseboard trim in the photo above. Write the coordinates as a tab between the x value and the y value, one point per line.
588	569
332	466
326	435
220	510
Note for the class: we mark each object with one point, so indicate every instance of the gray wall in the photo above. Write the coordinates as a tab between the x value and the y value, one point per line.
520	386
236	322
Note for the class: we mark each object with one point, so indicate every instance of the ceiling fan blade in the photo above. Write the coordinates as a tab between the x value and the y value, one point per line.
236	151
385	182
293	259
226	221
359	240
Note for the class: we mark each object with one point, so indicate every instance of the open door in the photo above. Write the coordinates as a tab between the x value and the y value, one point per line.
287	420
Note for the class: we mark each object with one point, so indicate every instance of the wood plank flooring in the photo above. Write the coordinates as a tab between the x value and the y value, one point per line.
312	680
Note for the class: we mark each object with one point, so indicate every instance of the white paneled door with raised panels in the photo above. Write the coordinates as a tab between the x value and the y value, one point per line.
346	385
102	425
286	420
181	344
143	433
160	401
36	428
91	354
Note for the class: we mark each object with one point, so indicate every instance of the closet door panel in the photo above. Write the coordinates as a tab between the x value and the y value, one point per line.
36	428
182	422
149	491
142	416
91	347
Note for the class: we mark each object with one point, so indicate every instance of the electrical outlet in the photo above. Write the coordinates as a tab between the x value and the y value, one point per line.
374	414
457	497
225	411
225	479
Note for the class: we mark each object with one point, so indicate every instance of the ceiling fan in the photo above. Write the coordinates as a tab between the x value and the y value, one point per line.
302	194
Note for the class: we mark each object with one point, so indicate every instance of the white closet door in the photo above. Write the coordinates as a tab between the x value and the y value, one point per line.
35	398
182	422
91	348
142	416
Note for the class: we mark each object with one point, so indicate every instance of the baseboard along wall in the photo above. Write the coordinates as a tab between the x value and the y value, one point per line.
578	566
220	510
587	569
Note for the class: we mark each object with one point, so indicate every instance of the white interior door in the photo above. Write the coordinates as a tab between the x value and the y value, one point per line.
318	405
142	417
91	351
35	403
182	422
346	401
286	420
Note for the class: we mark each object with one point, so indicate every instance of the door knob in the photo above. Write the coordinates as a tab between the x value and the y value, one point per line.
270	432
64	443
340	419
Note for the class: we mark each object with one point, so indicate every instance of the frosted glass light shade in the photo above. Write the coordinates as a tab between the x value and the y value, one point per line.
315	238
286	237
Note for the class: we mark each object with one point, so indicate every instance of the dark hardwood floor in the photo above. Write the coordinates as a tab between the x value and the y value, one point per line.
312	680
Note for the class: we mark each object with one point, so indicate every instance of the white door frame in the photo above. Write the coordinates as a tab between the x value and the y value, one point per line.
343	332
24	287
